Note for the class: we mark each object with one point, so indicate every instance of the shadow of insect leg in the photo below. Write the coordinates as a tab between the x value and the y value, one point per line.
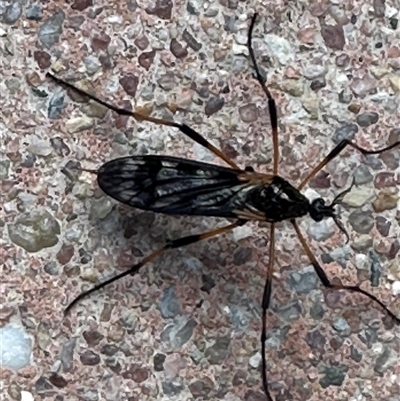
177	243
185	129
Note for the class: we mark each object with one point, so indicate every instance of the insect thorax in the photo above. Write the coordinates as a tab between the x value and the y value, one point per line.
279	201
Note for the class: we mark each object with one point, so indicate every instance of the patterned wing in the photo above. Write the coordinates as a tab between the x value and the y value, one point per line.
172	185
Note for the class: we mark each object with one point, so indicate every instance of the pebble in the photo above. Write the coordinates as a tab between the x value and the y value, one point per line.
40	147
242	232
396	288
79	124
50	31
303	281
367	119
34	12
217	352
15	347
363	86
34	230
279	48
12	13
361	221
169	305
255	360
321	231
214	105
358	197
179	332
347	131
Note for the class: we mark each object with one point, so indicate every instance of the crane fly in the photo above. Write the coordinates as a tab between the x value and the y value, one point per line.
178	186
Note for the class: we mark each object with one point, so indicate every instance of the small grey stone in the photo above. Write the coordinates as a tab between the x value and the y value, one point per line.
240	317
179	332
56	104
214	105
4	168
79	124
51	268
172	388
316	341
364	85
382	362
167	81
322	230
218	351
376	272
43	386
13	12
15	347
362	175
279	48
40	147
318	83
345	97
34	230
169	305
89	358
369	337
290	312
67	354
51	29
362	243
191	41
361	221
248	113
92	64
193	7
303	281
158	362
341	326
109	349
333	376
358	196
314	71
100	208
347	131
355	354
367	119
34	12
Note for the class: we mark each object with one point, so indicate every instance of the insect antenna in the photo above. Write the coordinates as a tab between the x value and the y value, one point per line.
337	201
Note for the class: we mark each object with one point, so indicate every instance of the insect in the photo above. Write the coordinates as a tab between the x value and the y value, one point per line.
177	186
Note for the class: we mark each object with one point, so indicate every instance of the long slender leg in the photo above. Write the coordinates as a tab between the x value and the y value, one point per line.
185	129
273	115
336	150
265	305
326	282
177	243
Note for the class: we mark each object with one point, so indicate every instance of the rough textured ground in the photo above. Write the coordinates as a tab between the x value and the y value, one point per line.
188	326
